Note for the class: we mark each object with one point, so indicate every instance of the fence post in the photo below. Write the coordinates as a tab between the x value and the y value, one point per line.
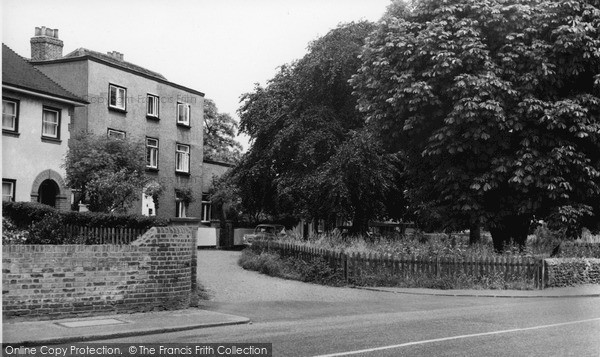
543	274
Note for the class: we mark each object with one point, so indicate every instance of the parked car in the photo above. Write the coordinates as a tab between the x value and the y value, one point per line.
264	232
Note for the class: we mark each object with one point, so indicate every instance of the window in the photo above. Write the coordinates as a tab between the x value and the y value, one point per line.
8	190
152	106
152	153
10	115
116	134
206	215
50	123
183	114
182	158
117	97
181	209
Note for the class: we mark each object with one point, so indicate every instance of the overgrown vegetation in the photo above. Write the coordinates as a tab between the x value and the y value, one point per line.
317	271
35	223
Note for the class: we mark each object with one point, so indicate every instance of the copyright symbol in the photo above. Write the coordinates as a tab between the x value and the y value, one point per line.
132	349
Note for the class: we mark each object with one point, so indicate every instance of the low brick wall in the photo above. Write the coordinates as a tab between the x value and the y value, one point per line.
155	272
572	271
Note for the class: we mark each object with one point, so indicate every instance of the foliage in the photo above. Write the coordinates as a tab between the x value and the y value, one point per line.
308	144
184	194
11	234
154	190
109	172
316	271
495	105
24	214
220	130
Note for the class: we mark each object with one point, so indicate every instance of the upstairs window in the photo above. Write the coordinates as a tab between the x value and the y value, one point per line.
50	123
8	190
152	153
117	97
152	106
183	114
182	158
10	115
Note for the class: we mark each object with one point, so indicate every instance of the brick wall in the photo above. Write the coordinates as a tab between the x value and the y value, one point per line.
155	272
572	271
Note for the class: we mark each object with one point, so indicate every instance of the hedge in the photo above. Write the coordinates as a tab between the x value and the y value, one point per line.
23	214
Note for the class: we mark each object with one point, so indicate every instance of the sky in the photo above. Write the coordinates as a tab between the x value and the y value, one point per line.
219	47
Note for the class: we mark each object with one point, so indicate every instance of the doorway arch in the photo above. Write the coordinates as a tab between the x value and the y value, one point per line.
48	192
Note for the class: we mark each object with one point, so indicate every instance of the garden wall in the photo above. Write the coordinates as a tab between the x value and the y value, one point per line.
155	272
572	271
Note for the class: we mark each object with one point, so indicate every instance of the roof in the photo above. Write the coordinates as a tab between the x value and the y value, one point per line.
18	73
82	52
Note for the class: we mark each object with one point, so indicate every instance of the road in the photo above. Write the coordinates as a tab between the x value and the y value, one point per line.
311	320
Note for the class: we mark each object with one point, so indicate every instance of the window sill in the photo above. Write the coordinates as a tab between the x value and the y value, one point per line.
10	133
151	169
51	140
118	110
152	117
184	126
181	173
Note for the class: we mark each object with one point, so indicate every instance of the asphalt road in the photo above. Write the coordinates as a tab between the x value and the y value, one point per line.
311	320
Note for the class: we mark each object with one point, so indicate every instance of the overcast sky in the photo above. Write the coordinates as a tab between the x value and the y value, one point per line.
219	47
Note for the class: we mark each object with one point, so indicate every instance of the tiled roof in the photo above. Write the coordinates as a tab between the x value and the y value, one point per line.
81	52
17	72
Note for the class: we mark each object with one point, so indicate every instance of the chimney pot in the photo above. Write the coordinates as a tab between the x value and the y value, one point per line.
45	45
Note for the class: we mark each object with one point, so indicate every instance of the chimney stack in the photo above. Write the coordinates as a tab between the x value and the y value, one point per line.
115	55
45	45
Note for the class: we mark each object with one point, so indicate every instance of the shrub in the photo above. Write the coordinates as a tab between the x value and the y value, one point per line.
11	234
46	225
23	214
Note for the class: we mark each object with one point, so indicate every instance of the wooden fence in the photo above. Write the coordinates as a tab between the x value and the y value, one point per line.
357	265
103	235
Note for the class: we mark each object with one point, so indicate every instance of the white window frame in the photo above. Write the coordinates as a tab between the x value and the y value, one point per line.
181	209
182	158
11	197
152	105
14	117
116	105
46	124
187	112
206	208
152	151
116	134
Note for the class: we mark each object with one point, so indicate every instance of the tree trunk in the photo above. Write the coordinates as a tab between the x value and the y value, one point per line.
360	224
474	232
510	229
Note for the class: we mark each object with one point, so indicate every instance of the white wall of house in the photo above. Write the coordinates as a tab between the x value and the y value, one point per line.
27	157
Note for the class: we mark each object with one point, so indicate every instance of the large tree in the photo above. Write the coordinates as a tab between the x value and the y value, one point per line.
495	105
108	172
308	147
220	130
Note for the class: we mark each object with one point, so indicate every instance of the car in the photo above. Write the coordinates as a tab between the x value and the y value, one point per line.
264	232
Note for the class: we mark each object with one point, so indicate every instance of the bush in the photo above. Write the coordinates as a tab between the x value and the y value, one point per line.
315	271
46	225
23	214
11	234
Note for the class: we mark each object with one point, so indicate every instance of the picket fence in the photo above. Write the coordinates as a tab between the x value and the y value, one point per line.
104	235
355	265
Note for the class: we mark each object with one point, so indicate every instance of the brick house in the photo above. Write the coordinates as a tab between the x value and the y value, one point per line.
37	115
127	100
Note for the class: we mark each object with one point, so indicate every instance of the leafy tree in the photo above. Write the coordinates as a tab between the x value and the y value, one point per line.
308	147
495	105
220	130
108	172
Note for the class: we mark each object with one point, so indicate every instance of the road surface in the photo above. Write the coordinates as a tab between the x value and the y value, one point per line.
311	320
